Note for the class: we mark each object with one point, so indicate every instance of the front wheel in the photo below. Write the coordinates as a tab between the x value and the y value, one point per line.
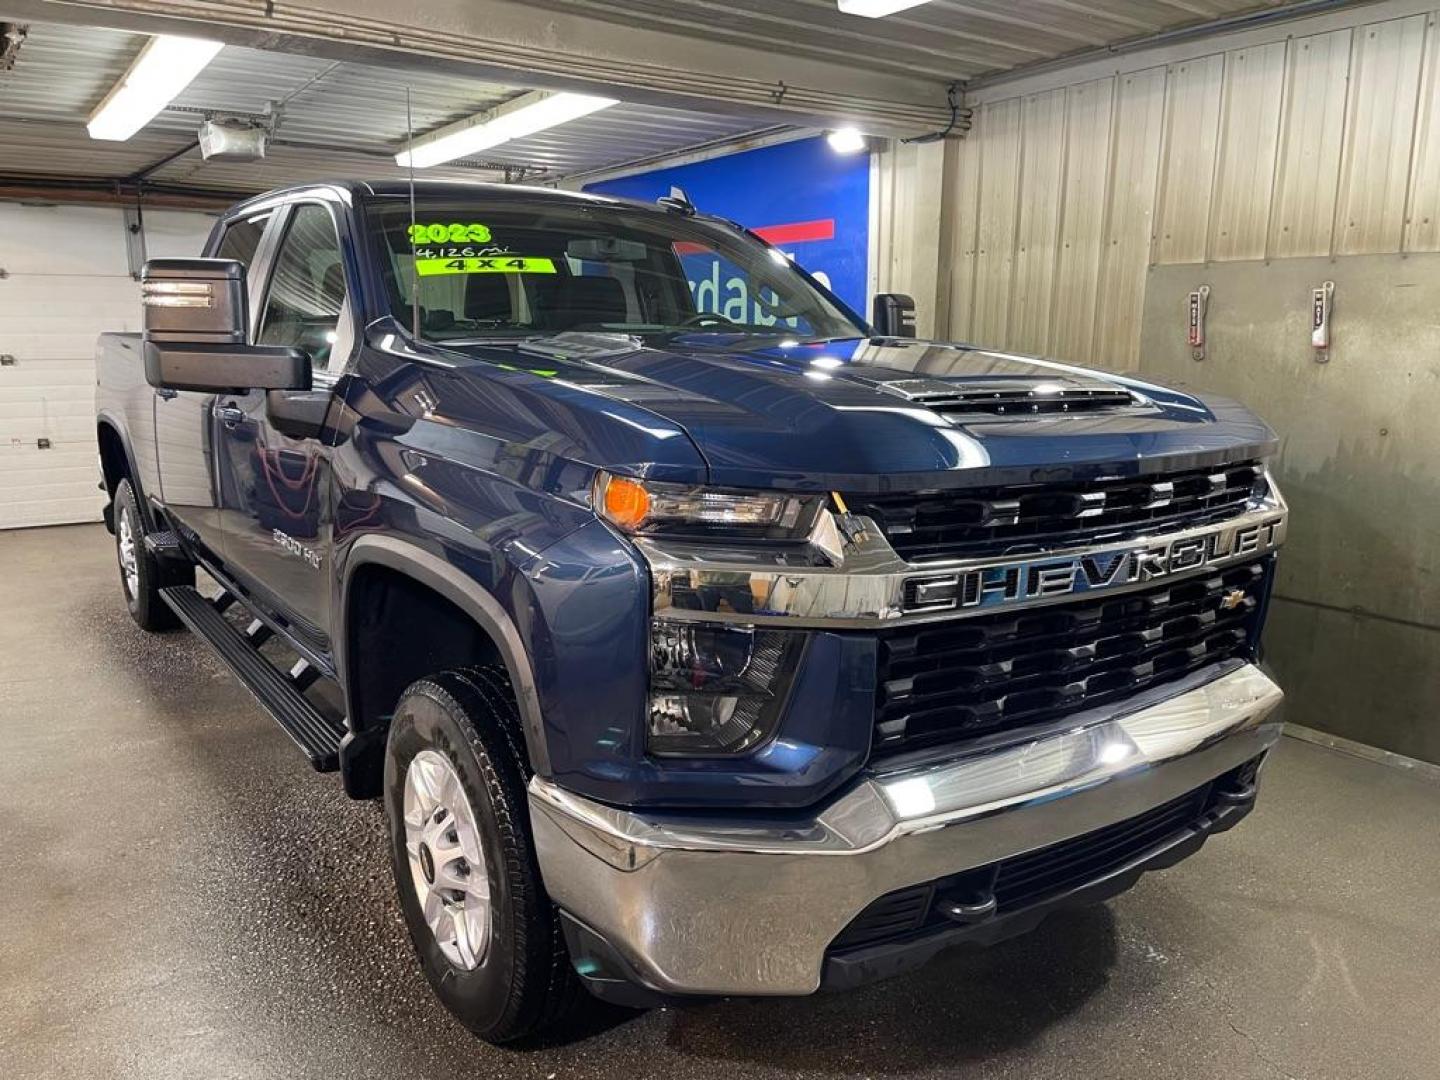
485	930
140	576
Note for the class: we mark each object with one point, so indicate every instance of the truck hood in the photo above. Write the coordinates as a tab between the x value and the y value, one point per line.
873	415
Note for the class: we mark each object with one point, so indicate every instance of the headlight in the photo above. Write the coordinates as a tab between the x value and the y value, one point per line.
717	689
643	506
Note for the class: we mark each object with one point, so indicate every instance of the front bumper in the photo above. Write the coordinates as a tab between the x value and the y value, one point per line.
703	905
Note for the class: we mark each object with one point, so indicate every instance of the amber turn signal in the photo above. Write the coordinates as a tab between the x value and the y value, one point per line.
627	503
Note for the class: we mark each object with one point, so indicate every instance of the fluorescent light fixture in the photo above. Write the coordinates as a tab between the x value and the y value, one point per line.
846	140
516	119
164	68
875	9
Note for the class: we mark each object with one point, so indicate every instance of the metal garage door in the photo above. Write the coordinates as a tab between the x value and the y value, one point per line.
63	279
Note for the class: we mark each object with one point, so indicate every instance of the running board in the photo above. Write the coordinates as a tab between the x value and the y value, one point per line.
317	736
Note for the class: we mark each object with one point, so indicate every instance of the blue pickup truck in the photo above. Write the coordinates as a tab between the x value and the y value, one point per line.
751	651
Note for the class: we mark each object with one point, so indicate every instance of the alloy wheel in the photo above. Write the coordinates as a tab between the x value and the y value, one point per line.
447	860
125	539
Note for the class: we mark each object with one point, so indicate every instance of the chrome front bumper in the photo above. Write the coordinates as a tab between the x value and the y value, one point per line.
697	905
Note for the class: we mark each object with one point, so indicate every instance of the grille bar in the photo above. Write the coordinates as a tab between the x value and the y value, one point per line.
975	521
944	683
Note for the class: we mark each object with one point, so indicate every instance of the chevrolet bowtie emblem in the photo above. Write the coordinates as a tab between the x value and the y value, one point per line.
1233	599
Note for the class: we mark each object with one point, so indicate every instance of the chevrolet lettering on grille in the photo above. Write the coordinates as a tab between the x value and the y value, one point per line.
1027	581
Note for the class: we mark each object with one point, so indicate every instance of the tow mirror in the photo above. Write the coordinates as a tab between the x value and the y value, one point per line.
196	319
893	315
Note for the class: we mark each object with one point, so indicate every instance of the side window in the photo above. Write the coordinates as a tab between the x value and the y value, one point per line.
720	287
307	287
242	237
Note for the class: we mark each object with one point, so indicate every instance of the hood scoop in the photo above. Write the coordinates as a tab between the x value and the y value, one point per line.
1018	397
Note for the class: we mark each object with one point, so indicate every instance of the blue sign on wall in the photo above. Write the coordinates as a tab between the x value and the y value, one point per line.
807	200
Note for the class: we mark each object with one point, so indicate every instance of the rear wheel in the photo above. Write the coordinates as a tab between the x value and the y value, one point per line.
140	576
486	932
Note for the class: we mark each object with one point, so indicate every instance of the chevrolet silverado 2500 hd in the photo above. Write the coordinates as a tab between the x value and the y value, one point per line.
748	651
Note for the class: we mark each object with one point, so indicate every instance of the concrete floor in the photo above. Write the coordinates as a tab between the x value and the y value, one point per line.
182	896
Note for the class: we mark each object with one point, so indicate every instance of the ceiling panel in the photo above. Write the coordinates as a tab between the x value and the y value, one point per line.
947	39
341	117
330	119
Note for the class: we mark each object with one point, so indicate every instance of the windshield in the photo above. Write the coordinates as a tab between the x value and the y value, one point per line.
515	268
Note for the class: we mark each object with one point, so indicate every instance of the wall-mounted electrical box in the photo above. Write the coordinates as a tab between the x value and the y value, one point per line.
1195	336
1321	302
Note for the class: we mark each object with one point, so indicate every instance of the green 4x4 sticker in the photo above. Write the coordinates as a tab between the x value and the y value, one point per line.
489	264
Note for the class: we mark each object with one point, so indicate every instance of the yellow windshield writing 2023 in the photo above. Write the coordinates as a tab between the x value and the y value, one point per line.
489	264
449	232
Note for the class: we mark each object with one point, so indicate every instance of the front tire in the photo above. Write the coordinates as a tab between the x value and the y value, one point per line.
140	576
487	935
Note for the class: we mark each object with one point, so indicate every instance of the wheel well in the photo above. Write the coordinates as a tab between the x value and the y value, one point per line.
398	631
113	462
114	465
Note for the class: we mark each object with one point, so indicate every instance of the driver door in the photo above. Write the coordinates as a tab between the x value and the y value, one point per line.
185	425
277	511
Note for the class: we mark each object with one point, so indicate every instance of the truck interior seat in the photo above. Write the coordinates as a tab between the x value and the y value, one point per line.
487	297
568	302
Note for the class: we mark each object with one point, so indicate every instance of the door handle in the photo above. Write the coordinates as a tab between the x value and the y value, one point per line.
230	415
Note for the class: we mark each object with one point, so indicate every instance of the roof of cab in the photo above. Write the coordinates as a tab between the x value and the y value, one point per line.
448	189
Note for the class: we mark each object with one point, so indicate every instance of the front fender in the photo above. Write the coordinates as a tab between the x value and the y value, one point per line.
449	581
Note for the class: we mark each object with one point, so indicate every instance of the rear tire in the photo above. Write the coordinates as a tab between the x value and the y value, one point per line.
486	932
140	576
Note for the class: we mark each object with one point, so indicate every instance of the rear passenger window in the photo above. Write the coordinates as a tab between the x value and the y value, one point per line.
241	238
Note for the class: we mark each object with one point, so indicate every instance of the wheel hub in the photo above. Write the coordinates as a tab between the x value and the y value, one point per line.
447	859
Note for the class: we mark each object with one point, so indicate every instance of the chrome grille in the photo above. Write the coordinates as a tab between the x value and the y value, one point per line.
944	683
927	526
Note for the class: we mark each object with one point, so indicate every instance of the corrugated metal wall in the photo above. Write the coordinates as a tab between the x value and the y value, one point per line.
908	235
1087	202
1312	144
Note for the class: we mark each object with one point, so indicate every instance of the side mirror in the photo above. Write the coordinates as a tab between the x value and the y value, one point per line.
893	315
196	319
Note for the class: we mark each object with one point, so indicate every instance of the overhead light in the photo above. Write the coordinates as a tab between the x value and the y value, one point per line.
516	119
874	9
846	140
163	69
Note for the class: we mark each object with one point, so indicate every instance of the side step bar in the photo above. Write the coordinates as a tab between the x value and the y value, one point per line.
318	737
164	545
